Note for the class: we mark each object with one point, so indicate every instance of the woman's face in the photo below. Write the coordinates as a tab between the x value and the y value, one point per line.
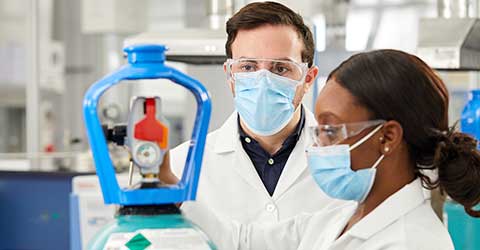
336	105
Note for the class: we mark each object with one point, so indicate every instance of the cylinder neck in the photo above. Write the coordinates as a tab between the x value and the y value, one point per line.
148	210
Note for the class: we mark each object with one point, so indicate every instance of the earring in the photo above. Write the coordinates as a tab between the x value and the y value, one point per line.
387	149
381	138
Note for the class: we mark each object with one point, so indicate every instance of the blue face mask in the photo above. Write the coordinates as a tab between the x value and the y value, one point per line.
264	101
331	168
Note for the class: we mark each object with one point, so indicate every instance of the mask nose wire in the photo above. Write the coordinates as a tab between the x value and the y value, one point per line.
368	136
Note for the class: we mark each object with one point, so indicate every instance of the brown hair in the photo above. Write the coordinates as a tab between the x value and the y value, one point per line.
258	14
398	86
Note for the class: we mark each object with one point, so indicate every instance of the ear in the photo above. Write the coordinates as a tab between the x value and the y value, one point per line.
392	137
312	74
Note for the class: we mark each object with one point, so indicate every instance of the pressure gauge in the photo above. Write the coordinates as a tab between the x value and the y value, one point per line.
147	154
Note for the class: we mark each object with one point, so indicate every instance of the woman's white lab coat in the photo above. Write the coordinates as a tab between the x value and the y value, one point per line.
404	221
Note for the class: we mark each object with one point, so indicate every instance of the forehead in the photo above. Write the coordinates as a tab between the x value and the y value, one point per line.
335	104
268	41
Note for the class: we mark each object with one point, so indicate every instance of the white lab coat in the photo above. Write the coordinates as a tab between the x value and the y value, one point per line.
402	222
230	186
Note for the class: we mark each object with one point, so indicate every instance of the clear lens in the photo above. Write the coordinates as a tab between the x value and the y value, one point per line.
326	135
284	68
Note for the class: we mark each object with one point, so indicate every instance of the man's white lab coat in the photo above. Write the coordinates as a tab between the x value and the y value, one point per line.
230	186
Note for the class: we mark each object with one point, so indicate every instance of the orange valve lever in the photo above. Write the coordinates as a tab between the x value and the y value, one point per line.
150	129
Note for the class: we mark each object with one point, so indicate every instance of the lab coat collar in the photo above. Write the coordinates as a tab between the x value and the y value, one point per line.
227	135
396	206
228	141
297	162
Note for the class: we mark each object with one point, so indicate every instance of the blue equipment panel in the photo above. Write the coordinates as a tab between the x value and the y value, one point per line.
34	210
463	229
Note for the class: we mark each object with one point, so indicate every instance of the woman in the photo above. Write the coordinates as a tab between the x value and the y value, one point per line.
383	124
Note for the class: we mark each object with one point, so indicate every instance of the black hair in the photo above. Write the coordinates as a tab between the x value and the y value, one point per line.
395	85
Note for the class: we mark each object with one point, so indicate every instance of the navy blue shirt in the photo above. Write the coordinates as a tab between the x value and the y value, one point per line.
270	167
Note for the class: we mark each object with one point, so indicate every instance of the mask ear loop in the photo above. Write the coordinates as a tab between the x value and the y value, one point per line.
365	139
374	166
368	136
377	162
304	77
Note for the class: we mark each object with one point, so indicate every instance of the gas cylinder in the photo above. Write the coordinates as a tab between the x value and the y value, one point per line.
147	217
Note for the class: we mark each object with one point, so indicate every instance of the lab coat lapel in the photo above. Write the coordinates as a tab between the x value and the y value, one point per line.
228	145
339	220
297	162
227	136
245	168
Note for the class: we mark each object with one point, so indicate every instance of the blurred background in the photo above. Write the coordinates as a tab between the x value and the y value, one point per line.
51	51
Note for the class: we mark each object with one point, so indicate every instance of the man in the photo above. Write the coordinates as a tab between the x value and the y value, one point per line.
254	166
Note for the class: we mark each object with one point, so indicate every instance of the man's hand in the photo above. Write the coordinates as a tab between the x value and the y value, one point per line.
165	174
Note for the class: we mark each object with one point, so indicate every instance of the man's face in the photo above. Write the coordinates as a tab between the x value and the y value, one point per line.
273	42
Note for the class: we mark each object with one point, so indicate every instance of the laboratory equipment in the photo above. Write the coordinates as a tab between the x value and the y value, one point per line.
450	43
40	218
147	216
462	228
470	122
452	40
199	53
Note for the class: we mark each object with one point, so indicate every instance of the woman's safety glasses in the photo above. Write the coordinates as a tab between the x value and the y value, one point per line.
331	134
285	68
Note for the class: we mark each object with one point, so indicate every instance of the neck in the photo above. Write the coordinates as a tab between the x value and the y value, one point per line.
392	175
380	192
273	143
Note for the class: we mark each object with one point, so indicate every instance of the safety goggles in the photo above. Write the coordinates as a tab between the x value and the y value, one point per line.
285	68
331	134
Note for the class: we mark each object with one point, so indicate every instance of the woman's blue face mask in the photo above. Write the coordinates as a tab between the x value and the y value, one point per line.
330	166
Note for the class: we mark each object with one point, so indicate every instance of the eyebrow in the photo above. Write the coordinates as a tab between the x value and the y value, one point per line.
329	114
285	59
281	58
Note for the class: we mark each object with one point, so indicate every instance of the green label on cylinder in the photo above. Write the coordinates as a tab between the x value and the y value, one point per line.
139	242
158	239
